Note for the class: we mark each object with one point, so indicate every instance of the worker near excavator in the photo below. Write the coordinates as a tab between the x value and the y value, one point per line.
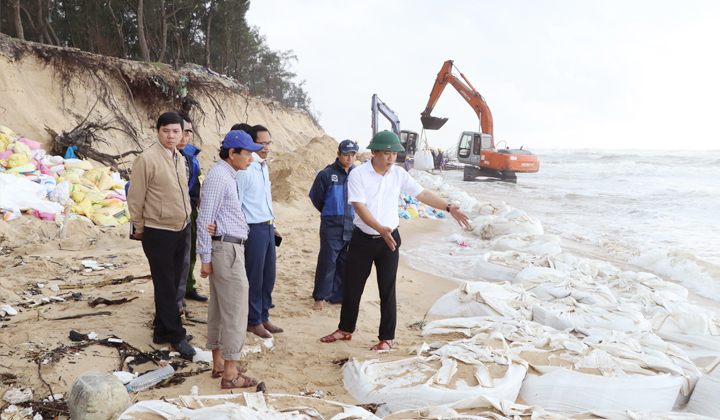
434	155
373	190
406	165
440	160
329	194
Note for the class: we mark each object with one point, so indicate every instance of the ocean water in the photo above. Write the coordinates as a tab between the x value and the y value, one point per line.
656	209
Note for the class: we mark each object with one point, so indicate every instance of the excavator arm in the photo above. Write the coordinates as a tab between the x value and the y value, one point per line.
379	107
466	90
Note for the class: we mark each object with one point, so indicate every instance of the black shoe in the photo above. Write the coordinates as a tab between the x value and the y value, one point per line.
272	305
188	338
194	295
158	340
184	348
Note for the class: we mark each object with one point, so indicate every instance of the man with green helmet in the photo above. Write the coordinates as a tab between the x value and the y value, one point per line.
373	190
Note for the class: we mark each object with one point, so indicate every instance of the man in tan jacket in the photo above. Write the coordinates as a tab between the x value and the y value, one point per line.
160	211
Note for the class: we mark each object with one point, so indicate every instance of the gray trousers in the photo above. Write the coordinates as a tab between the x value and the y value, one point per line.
228	307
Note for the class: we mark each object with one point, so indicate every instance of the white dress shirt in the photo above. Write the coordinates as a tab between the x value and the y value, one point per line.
255	191
380	193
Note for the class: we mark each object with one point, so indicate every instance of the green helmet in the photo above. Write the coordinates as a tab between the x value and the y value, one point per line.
386	141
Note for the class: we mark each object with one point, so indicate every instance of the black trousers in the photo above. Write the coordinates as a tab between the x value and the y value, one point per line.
165	251
364	251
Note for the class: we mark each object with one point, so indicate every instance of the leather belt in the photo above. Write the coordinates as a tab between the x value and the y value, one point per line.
269	222
231	239
368	235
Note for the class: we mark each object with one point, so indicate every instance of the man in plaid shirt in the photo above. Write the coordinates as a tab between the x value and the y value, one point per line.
223	259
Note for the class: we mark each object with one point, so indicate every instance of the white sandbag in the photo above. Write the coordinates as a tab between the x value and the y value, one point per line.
423	161
538	245
18	192
485	299
422	381
504	266
646	415
566	314
568	392
704	399
61	193
695	330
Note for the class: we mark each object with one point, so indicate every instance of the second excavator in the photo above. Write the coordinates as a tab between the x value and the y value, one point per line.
477	149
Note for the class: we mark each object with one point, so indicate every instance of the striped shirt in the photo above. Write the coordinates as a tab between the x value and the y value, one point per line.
220	204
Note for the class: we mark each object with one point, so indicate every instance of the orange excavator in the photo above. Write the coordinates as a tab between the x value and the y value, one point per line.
477	149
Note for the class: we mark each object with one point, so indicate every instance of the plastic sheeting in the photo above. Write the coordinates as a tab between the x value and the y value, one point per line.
21	193
434	380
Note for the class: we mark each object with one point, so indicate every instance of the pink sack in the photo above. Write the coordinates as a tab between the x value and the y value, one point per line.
33	145
118	196
44	169
44	216
6	154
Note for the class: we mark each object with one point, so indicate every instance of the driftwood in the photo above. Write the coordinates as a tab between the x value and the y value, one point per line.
82	315
108	302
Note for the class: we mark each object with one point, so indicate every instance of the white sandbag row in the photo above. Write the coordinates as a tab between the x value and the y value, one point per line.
635	371
481	298
245	406
441	377
704	399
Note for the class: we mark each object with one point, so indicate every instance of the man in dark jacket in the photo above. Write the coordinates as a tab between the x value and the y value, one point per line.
187	288
329	194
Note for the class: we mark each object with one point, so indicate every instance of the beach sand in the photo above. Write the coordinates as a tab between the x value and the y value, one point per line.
298	364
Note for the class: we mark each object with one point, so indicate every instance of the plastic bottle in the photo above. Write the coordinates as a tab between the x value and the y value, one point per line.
151	378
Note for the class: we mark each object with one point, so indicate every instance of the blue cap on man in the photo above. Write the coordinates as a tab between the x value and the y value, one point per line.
347	146
239	138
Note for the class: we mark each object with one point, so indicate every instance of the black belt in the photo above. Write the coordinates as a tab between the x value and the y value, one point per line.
231	239
358	230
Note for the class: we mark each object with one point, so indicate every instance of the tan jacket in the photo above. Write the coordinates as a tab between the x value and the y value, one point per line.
158	195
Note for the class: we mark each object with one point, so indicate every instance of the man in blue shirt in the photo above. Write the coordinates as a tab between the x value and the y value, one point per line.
255	195
189	152
329	194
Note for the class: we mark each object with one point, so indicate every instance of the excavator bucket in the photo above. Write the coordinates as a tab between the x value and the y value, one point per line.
432	123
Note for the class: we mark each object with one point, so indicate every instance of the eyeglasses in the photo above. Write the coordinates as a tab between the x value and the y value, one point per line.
268	144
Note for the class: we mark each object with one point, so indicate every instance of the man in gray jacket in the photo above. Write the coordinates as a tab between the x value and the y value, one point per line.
160	212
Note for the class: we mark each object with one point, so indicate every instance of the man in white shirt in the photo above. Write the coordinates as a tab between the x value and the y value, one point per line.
373	190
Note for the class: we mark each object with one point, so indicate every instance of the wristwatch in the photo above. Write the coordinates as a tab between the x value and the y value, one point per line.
448	207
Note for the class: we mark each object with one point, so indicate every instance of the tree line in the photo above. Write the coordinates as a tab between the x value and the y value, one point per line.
214	33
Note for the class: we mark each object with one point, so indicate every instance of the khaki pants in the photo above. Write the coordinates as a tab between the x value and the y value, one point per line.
228	307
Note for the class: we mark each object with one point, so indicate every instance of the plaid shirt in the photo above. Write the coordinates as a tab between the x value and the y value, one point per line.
219	204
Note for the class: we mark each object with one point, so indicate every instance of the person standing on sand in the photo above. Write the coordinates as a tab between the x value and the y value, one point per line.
160	212
329	194
223	259
406	165
192	170
440	160
373	190
255	194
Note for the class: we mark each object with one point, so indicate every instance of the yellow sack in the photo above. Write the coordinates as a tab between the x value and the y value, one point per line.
97	196
17	159
23	148
83	164
105	183
3	145
78	195
22	169
84	208
109	216
413	212
111	202
71	176
93	175
7	132
88	183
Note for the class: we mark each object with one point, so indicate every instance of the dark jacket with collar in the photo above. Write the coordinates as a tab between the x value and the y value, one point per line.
329	194
190	153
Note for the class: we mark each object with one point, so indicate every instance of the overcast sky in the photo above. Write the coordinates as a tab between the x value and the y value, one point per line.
556	74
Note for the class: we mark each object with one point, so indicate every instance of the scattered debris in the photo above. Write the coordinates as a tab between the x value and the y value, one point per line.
81	315
17	396
341	362
100	300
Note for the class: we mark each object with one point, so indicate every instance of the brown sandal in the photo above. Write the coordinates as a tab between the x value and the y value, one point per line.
218	373
235	383
381	345
331	338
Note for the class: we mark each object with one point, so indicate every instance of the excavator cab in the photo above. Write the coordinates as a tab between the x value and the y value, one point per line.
471	146
409	141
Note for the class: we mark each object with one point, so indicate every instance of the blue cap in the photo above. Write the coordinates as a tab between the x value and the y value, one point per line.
347	146
239	138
